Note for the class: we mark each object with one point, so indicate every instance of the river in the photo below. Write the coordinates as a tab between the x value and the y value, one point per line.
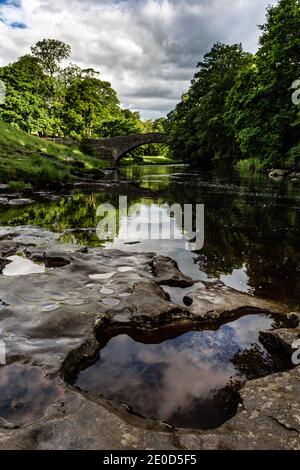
252	225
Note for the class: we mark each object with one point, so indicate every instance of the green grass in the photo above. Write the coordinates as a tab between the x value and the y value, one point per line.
19	185
26	159
149	160
250	164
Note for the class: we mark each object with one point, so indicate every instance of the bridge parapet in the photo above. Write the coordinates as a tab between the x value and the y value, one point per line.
113	149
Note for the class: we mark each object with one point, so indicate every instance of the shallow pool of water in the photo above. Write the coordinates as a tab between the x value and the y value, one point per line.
186	379
25	393
20	266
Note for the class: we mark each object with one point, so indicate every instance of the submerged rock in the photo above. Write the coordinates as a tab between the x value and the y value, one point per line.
20	202
282	339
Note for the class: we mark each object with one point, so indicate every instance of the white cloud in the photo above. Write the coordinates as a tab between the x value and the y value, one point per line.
147	49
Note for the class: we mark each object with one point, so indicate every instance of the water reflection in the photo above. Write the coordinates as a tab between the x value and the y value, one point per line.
19	266
238	280
185	380
252	225
25	393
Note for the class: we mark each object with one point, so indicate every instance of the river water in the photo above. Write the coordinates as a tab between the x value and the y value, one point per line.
252	225
251	243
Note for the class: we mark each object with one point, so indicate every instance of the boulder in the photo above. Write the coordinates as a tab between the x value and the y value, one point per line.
278	173
166	272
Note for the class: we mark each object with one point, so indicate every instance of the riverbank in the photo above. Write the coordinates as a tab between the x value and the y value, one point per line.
150	160
255	165
28	161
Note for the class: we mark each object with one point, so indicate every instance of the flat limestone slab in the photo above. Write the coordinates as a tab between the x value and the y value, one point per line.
51	320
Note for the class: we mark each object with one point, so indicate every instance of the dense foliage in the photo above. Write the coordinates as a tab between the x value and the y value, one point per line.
240	105
46	99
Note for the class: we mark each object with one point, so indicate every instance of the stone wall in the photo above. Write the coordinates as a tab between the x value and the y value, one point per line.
114	148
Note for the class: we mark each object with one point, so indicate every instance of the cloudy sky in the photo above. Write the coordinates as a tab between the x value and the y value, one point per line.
147	49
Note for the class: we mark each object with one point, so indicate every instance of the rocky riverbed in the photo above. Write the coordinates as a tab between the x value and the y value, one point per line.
51	323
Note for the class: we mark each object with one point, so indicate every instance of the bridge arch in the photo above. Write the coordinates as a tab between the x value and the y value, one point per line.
115	148
139	140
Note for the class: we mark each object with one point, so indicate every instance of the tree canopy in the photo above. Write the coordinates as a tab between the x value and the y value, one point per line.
47	99
240	105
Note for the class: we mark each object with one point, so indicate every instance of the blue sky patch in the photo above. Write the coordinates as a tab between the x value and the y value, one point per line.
15	3
14	24
18	25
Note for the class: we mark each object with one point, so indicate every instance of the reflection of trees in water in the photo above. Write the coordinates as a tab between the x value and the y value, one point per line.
251	226
254	362
251	222
75	212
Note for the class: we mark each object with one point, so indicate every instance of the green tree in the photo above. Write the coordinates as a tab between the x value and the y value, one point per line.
44	98
198	130
120	123
260	105
50	53
87	102
155	150
25	105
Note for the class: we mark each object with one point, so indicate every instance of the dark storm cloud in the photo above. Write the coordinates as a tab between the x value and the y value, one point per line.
148	49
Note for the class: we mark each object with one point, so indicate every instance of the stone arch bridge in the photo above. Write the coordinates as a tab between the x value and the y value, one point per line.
115	148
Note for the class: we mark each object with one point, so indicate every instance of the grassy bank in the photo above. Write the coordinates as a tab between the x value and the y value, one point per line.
28	160
292	163
149	160
251	164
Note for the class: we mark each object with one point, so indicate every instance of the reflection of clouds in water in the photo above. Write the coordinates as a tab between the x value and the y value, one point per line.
2	351
20	266
157	379
147	356
137	228
177	376
238	279
246	330
184	382
148	222
24	393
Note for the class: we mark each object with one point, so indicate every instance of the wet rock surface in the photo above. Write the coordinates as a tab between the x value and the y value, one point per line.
215	302
52	320
282	339
268	418
20	201
167	273
279	175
